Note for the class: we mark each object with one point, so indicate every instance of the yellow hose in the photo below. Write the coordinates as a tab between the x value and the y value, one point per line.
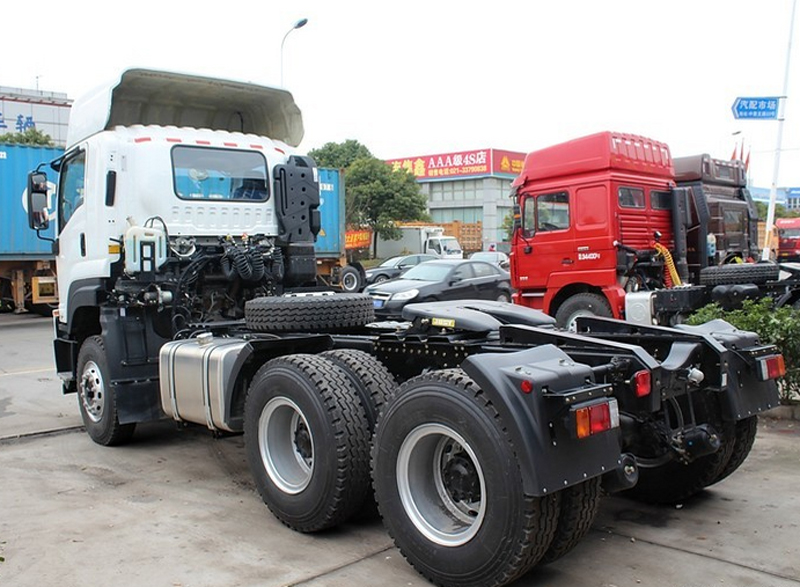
673	272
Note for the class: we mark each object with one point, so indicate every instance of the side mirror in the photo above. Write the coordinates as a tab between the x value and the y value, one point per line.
37	201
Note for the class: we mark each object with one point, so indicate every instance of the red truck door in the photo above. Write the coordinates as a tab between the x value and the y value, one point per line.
551	242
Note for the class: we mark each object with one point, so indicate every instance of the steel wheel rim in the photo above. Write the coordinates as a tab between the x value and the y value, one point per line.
350	282
424	470
286	445
572	325
93	391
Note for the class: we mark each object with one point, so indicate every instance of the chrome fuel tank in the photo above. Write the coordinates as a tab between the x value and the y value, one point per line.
197	378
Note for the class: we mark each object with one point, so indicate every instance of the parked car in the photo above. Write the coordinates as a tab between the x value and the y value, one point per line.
441	279
495	257
394	267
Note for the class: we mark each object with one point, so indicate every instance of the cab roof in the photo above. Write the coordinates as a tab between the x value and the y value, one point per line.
145	96
598	152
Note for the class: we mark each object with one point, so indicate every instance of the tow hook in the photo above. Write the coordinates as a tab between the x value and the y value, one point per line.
623	477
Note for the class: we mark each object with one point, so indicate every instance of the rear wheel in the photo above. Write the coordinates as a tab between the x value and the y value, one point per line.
449	486
307	442
676	481
504	297
96	396
744	437
372	380
351	280
582	304
579	505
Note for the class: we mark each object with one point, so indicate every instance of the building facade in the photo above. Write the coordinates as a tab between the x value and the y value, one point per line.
45	111
468	186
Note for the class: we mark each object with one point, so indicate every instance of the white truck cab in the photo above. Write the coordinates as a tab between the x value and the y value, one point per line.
181	194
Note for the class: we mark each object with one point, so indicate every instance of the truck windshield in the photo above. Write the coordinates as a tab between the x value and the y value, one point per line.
789	232
219	174
450	245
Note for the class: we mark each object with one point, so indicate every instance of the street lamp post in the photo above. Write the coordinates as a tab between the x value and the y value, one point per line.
298	25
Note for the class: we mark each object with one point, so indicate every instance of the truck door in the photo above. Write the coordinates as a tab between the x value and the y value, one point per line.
72	224
433	246
550	241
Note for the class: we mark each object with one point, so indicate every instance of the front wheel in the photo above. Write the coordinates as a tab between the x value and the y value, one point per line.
96	396
449	485
583	304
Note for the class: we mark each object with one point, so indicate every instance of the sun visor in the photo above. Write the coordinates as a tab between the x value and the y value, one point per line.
143	96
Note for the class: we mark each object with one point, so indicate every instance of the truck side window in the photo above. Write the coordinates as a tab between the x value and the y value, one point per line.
552	211
631	197
70	185
660	200
528	217
205	173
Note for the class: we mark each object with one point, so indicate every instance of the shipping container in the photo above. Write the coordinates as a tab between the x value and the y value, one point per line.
333	268
17	241
27	277
330	240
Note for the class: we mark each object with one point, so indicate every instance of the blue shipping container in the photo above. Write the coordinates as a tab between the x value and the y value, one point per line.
330	240
17	241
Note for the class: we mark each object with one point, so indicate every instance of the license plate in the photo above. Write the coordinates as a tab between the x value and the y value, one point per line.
377	303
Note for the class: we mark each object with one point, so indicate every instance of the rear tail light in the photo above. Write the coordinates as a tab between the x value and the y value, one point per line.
596	418
641	383
771	367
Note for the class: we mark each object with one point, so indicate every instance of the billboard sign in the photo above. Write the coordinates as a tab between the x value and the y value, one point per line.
462	164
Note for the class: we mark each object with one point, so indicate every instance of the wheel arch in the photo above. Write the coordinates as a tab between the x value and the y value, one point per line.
570	290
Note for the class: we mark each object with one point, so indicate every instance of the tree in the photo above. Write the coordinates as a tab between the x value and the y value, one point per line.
375	195
780	211
31	136
379	197
340	155
508	226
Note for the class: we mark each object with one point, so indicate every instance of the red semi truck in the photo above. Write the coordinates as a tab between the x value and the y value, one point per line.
609	225
788	239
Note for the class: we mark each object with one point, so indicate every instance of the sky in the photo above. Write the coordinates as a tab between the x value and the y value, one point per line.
425	77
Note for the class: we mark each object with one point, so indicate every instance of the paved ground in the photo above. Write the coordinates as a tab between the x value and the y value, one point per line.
176	508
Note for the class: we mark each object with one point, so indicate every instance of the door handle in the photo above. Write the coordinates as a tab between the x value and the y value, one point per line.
83	245
567	261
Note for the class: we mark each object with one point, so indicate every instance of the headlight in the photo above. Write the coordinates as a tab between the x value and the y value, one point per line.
406	295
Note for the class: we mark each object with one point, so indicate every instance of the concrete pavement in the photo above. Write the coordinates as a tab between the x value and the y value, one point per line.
177	508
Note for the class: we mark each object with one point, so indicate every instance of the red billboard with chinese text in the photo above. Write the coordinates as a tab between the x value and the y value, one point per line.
462	164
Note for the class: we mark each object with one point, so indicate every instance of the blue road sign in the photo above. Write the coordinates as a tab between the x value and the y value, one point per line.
764	108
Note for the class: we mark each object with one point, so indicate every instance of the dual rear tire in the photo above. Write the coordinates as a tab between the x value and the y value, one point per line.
449	488
308	423
444	469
